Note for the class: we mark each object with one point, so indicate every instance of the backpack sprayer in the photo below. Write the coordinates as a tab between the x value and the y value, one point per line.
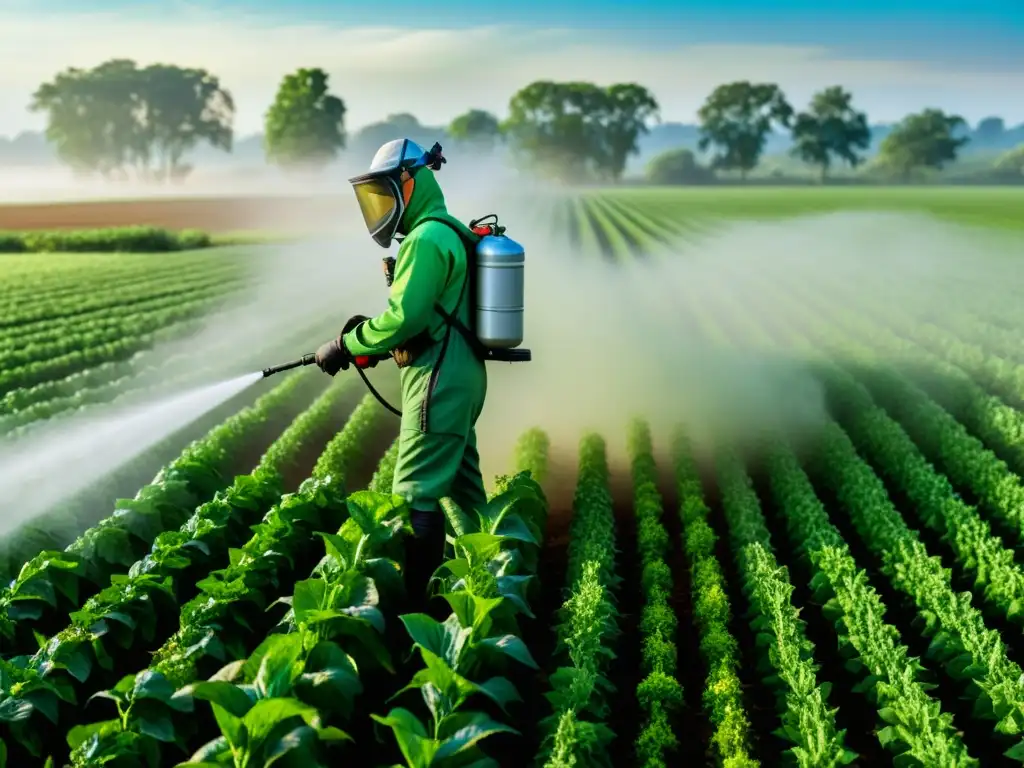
496	273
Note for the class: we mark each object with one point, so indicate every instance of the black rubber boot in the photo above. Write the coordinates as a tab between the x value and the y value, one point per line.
424	553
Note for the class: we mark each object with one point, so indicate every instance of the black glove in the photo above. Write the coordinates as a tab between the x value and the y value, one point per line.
333	357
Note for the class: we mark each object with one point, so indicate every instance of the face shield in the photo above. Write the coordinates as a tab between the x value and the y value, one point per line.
381	204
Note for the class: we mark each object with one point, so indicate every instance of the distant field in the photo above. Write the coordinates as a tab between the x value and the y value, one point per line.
992	206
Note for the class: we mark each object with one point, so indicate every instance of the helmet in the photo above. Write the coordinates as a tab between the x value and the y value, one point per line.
379	190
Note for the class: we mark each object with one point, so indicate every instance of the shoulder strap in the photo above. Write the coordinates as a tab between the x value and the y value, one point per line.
451	318
467	241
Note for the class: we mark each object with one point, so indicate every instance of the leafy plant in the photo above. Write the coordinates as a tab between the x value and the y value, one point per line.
786	656
587	628
723	696
484	583
216	625
659	693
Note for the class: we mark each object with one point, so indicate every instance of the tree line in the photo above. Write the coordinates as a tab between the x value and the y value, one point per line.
118	117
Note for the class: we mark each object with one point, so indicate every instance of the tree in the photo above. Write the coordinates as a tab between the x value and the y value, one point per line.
118	115
181	108
305	126
989	130
579	130
737	118
677	166
92	116
831	129
927	139
630	107
477	128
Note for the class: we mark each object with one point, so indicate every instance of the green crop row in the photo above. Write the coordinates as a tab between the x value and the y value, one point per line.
577	732
999	425
786	656
961	456
941	437
122	382
912	725
85	356
659	692
68	280
53	584
883	441
971	654
63	522
723	695
43	314
230	613
53	329
140	239
133	611
136	327
468	658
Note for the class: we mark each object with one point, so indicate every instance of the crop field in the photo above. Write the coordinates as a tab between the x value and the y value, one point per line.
850	593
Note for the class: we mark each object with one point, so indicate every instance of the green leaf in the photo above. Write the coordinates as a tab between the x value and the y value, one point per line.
338	548
15	710
279	665
159	727
479	547
511	646
472	611
152	685
227	695
267	714
310	595
501	691
416	747
465	729
209	754
298	743
330	680
82	733
446	640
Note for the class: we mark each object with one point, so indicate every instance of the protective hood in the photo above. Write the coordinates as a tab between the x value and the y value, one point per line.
427	199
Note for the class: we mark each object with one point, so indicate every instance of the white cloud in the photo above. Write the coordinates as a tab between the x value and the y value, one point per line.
437	73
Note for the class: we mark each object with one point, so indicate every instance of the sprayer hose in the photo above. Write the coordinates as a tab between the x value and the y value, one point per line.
377	394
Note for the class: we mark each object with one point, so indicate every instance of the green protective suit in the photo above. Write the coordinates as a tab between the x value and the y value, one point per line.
439	457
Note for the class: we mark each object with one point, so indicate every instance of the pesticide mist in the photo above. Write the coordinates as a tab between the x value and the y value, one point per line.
687	335
54	463
691	335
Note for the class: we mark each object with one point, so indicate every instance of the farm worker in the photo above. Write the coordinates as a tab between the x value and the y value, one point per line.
443	382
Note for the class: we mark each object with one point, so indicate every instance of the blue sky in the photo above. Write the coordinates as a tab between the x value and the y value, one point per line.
897	56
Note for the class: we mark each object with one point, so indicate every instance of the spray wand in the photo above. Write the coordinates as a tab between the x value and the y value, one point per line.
361	362
304	360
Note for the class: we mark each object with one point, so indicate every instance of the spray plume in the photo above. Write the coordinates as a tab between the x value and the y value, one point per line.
55	463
